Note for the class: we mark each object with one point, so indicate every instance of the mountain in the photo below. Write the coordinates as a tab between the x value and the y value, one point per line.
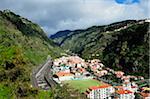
23	45
121	46
60	34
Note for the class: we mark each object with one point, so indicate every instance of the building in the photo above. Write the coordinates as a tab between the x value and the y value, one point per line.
145	94
125	79
147	20
100	92
124	94
140	77
130	86
77	74
119	74
95	61
75	60
119	87
62	60
61	68
81	70
103	72
61	76
145	88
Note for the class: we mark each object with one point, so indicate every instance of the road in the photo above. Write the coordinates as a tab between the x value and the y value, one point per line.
41	77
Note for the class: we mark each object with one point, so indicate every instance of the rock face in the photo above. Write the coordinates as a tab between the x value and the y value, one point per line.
121	46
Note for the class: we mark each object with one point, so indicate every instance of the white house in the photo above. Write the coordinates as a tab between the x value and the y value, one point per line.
130	86
100	92
64	76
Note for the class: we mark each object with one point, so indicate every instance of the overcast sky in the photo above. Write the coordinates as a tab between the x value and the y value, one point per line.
56	15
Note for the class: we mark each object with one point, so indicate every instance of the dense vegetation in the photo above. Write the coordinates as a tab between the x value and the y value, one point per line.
121	46
60	34
23	45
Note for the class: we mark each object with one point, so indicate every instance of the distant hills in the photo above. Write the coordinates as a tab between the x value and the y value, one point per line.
23	45
60	34
121	45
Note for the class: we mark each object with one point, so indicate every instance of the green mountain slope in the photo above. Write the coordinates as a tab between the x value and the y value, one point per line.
23	45
121	46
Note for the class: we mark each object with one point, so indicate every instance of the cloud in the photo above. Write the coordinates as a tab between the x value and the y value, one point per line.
55	15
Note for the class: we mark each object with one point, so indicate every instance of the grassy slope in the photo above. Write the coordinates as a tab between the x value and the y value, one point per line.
23	45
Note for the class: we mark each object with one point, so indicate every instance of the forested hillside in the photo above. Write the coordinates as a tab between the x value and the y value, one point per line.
23	45
121	46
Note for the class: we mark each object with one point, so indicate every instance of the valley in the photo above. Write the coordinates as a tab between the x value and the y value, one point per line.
100	61
121	45
92	76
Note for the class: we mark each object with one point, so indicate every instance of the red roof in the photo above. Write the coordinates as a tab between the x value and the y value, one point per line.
123	92
119	87
59	74
99	87
133	86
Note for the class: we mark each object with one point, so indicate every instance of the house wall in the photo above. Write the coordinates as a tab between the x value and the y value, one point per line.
101	93
66	78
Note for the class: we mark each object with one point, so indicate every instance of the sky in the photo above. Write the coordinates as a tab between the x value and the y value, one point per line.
56	15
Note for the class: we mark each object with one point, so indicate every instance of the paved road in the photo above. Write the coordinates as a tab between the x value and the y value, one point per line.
41	76
48	77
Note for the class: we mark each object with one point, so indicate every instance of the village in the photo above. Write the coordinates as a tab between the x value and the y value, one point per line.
96	81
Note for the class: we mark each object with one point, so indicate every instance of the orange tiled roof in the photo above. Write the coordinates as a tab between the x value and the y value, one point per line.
99	87
119	87
59	74
123	92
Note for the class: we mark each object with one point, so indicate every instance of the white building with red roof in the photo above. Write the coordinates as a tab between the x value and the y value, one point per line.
124	94
61	76
100	92
130	86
